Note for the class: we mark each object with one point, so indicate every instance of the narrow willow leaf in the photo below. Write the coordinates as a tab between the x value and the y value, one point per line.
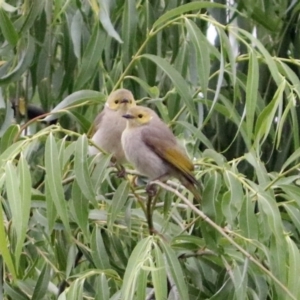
266	118
80	208
266	56
42	283
8	137
200	44
277	259
239	280
138	258
291	159
14	200
76	290
294	214
159	274
4	247
129	28
99	253
152	91
7	7
14	292
141	284
8	30
248	221
268	208
178	81
175	270
100	170
236	194
23	64
102	288
91	57
227	46
221	72
259	167
210	195
251	91
51	209
73	99
54	180
76	33
82	175
183	9
118	202
72	259
293	280
25	203
34	12
106	21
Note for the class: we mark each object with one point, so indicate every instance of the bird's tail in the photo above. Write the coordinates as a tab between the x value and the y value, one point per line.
194	190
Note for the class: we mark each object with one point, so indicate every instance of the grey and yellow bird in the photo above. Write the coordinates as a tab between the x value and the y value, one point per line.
109	124
153	150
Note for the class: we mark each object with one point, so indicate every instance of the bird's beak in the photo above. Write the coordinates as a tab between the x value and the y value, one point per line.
128	116
124	100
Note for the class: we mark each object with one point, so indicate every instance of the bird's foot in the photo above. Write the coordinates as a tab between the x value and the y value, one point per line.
151	190
121	173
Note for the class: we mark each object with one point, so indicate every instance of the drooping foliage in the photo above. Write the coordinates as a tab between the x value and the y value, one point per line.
224	76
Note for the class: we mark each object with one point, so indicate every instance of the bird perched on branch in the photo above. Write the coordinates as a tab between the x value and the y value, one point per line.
152	148
109	124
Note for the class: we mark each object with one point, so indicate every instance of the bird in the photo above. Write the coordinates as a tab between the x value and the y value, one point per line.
109	125
152	148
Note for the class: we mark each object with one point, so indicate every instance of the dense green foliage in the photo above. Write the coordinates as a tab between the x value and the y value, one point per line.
226	80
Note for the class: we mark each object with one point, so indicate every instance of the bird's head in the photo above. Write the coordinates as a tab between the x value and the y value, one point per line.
139	116
120	100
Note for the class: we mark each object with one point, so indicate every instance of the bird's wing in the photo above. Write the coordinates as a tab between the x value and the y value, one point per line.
164	144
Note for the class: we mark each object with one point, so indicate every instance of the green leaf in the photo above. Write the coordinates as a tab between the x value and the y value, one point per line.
42	283
14	200
159	274
34	12
23	64
138	258
266	118
251	91
81	170
175	270
8	137
293	280
4	247
247	219
178	81
102	288
99	253
54	181
74	99
183	9
80	208
25	205
129	29
118	202
7	28
200	44
106	21
91	57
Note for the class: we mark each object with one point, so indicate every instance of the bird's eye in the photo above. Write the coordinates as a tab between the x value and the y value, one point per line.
130	101
116	101
140	116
